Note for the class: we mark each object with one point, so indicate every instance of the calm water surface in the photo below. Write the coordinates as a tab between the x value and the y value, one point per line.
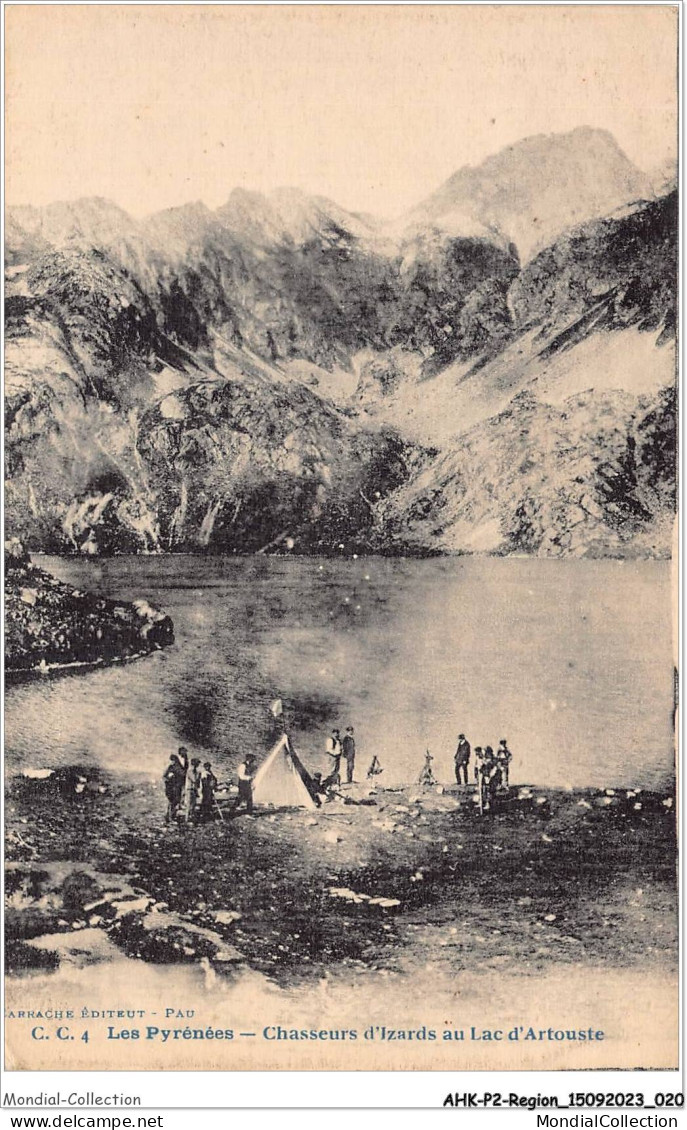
570	660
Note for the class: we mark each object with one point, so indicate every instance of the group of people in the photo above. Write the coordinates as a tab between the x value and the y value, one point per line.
338	748
491	768
189	788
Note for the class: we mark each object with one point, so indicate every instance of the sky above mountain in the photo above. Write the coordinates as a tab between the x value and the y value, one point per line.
156	106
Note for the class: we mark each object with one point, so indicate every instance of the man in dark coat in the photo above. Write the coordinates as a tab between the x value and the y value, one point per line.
174	778
462	759
208	784
490	779
349	754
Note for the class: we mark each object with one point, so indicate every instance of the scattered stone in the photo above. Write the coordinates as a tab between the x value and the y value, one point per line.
130	906
227	917
347	893
228	954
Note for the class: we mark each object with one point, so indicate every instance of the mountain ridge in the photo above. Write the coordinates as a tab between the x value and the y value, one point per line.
585	148
131	344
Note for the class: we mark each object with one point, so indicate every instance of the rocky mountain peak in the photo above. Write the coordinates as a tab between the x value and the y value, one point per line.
530	192
288	215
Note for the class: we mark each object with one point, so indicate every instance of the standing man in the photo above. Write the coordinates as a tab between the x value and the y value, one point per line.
174	778
490	779
246	773
462	759
479	758
208	784
192	790
504	758
349	754
334	751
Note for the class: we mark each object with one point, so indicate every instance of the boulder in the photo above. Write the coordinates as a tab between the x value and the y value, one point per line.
227	917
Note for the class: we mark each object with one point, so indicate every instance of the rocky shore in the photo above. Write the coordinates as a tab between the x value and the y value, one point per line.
50	626
381	881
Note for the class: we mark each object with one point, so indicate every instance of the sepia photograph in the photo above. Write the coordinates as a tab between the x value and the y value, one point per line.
340	519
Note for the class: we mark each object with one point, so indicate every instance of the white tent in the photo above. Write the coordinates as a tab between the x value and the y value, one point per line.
282	780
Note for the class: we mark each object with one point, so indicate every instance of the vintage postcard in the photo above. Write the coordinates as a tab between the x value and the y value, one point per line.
340	537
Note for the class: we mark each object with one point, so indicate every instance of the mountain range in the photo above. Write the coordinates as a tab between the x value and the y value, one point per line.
492	372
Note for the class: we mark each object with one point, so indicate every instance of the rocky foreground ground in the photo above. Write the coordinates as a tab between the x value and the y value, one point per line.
383	880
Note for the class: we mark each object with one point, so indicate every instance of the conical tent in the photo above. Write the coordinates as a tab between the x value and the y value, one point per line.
282	779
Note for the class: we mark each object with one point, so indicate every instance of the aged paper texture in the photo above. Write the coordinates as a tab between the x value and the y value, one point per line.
340	379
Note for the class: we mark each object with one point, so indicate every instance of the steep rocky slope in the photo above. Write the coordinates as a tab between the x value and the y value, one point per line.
169	380
591	476
239	465
121	441
565	441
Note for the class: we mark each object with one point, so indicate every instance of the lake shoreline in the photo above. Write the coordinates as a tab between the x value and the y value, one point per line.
410	653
